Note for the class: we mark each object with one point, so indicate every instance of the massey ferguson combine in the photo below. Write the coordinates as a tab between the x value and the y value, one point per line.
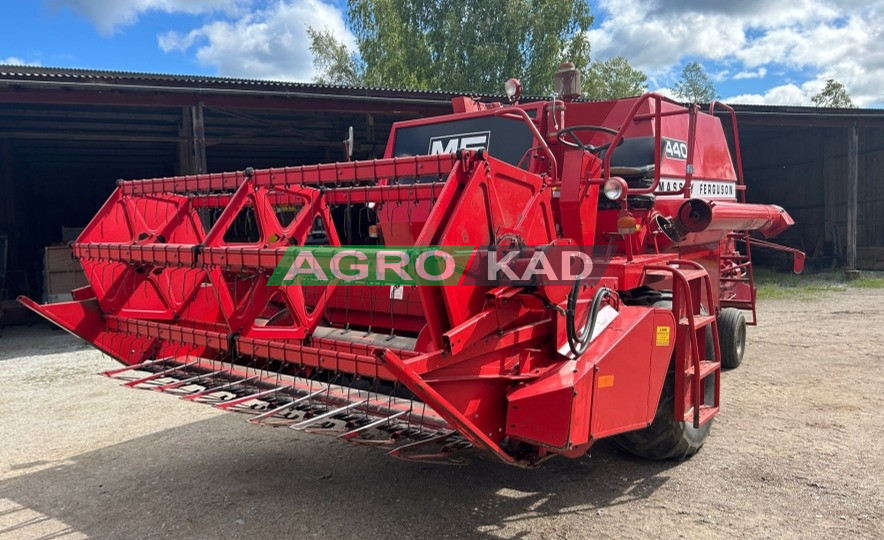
594	260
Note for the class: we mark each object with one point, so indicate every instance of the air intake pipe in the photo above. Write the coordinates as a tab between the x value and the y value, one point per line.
698	215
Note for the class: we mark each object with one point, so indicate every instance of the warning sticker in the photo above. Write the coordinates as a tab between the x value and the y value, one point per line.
396	292
663	336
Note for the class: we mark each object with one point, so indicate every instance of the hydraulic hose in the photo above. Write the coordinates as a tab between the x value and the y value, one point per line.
578	340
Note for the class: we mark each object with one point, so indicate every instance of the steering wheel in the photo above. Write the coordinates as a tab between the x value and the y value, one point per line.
575	141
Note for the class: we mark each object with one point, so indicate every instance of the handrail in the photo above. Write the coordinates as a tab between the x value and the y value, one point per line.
606	162
687	300
632	116
739	158
798	256
692	342
658	123
509	111
692	142
716	339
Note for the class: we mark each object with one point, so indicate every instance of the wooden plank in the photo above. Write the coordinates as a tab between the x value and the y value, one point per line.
870	213
107	136
26	114
829	184
870	258
60	259
185	131
61	273
7	189
852	183
199	140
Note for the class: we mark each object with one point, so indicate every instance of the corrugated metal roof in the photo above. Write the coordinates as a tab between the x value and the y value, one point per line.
196	81
799	109
203	82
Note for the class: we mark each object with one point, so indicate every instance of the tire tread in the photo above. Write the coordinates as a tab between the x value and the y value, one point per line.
730	323
665	438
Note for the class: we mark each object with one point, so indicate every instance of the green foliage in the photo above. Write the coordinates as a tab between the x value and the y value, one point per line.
834	94
333	62
614	79
694	85
468	44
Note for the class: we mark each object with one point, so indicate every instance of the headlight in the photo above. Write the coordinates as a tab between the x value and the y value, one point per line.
513	89
614	189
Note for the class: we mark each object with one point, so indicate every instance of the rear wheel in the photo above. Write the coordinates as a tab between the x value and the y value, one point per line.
665	438
731	337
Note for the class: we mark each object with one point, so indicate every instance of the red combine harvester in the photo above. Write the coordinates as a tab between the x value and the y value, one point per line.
180	272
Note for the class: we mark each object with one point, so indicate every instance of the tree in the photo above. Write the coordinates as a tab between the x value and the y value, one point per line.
694	85
834	94
333	62
614	79
468	44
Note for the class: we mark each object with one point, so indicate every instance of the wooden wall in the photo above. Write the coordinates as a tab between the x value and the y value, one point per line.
804	170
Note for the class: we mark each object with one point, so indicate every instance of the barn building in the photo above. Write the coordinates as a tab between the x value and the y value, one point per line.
67	135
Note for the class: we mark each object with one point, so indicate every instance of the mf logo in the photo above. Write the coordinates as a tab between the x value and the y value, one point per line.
449	144
675	149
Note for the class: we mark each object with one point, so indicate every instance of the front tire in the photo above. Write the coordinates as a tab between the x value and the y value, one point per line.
665	438
731	337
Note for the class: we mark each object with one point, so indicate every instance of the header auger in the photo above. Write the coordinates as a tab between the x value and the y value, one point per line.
184	287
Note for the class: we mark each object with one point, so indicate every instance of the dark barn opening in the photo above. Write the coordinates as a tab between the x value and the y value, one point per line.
800	158
66	136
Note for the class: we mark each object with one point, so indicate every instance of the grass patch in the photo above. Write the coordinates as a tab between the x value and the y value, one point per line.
868	282
774	285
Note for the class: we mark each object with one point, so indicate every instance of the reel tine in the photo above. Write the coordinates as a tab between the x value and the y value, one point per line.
228	386
441	437
185	382
158	375
225	405
112	372
371	425
328	414
269	414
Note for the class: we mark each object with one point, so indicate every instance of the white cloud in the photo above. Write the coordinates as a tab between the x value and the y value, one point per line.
722	75
666	92
267	44
109	15
786	94
757	74
15	61
655	39
822	38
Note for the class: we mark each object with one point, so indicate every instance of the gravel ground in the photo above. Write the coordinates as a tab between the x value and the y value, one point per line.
797	452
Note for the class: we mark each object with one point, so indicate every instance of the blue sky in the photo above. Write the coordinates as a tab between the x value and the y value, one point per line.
757	51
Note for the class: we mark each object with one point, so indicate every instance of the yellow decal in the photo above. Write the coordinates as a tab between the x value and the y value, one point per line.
663	336
606	381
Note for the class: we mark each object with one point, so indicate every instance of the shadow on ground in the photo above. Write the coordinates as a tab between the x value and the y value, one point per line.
39	339
223	478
